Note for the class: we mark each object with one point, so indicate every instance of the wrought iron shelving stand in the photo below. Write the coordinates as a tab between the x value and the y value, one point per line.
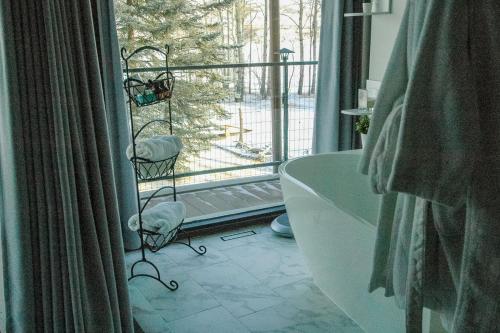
142	94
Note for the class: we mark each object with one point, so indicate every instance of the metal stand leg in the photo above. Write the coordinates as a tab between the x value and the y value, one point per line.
172	285
201	250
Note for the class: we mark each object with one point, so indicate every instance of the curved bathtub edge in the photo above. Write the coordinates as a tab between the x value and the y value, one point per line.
283	173
431	320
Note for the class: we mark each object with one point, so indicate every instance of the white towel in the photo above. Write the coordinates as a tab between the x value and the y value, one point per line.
156	148
161	218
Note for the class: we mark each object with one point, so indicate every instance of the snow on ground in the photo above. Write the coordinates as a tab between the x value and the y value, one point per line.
257	119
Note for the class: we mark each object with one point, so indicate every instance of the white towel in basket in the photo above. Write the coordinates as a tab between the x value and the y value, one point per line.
161	218
156	148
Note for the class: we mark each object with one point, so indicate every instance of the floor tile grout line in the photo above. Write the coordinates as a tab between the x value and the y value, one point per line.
238	264
253	275
291	283
208	309
192	314
258	285
225	258
182	317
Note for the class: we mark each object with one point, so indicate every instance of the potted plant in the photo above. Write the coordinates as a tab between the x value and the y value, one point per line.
361	126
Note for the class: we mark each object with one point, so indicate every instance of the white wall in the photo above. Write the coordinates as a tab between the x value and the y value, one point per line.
384	30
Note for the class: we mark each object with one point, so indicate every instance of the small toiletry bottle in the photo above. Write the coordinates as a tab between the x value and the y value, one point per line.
362	98
139	99
150	95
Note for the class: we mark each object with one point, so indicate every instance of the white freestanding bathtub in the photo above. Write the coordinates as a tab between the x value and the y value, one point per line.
333	214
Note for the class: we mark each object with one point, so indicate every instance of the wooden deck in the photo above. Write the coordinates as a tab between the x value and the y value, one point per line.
230	199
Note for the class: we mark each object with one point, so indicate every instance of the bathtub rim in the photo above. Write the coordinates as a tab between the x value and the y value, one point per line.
431	321
283	173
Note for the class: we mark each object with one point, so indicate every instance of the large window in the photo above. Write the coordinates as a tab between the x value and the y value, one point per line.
222	110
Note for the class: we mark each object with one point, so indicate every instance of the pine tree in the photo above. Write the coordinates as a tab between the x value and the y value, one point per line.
194	36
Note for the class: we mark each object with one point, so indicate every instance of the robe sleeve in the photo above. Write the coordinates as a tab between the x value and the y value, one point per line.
439	128
393	87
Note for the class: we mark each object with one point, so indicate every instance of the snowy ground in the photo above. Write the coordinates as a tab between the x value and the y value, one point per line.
256	119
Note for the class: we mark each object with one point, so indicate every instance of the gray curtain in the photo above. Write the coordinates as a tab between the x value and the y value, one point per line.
62	248
117	116
338	78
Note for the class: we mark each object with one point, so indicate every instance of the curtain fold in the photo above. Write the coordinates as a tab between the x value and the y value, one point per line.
117	116
338	77
62	247
12	190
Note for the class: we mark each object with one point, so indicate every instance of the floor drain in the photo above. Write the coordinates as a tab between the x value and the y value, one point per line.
238	235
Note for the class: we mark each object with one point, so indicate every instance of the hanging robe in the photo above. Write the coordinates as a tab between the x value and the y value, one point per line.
433	150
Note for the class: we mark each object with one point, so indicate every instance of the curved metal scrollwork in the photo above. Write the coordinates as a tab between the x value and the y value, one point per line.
172	284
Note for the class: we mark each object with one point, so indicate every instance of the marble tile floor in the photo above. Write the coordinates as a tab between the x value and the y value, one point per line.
258	283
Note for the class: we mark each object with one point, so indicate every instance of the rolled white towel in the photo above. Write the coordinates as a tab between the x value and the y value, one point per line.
156	148
161	218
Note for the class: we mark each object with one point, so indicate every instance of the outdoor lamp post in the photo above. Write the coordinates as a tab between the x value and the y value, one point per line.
284	53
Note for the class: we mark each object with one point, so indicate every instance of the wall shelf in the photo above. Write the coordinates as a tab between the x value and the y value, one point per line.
357	112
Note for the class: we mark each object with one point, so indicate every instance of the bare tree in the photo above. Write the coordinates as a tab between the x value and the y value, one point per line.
263	79
130	29
238	23
229	34
250	35
275	76
314	43
301	46
300	28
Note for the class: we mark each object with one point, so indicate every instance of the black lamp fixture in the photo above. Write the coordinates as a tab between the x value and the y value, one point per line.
284	52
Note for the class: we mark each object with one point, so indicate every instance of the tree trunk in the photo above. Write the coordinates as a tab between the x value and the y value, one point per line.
301	46
250	59
130	30
309	68
270	55
274	14
229	42
240	113
250	55
240	72
224	71
314	35
263	79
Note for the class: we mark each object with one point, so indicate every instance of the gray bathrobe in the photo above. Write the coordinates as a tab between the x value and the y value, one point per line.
433	150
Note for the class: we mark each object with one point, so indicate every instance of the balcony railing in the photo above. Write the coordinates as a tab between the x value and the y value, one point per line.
240	112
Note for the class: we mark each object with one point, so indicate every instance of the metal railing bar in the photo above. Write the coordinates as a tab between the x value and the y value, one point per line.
204	172
228	170
220	66
147	194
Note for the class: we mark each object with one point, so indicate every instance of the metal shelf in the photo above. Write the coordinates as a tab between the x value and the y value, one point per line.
160	89
358	112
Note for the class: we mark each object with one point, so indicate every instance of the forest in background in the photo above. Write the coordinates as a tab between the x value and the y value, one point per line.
208	32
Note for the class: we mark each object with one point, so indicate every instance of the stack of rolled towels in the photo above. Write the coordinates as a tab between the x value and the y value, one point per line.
157	148
161	218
